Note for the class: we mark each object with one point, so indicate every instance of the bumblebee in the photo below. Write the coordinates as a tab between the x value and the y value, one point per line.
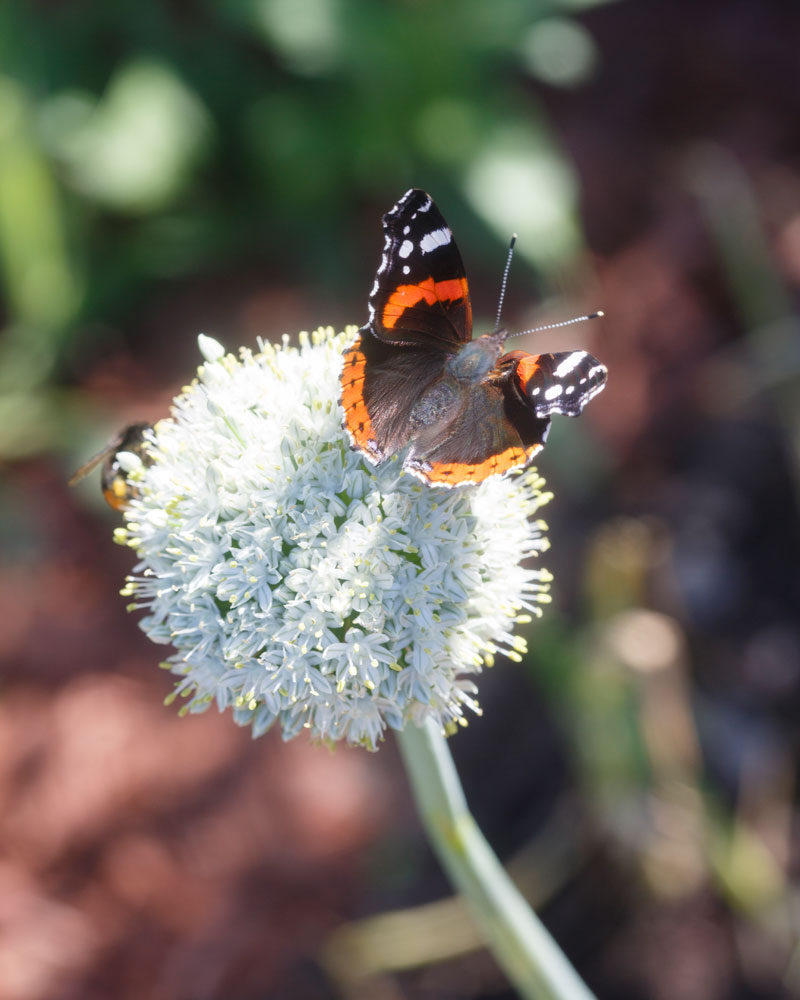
117	491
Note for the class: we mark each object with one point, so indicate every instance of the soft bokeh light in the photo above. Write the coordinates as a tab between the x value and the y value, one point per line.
134	149
519	183
559	51
308	34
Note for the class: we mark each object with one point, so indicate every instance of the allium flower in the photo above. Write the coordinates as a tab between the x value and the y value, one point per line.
299	584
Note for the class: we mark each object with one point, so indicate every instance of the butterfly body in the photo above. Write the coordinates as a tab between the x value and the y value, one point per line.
416	377
475	360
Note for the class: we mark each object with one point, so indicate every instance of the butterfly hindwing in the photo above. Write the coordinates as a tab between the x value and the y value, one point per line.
381	384
481	440
556	383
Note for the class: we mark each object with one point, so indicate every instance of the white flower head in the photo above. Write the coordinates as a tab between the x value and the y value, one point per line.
299	584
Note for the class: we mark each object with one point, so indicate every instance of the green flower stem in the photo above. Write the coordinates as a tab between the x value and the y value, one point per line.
525	951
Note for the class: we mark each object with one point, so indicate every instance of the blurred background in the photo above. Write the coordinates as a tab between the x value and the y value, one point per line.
187	166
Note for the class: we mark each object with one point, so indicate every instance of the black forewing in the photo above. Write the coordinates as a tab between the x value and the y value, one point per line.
420	296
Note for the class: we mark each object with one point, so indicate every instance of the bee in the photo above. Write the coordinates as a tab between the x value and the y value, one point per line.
117	491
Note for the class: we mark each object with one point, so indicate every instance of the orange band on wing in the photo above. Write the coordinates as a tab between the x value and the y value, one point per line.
527	368
429	291
456	473
356	415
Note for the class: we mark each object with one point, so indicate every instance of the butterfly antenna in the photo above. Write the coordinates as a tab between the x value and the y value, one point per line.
566	322
505	280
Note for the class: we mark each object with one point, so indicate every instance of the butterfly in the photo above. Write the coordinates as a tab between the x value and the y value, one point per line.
415	376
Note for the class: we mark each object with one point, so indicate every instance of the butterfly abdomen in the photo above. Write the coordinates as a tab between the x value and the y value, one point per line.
438	403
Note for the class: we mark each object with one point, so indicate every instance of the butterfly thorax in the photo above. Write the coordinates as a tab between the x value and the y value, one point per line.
477	358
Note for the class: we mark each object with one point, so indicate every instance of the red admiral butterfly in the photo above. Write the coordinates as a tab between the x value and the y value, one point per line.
117	491
415	375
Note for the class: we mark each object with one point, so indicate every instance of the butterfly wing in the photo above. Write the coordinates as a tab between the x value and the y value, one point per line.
554	383
505	420
420	296
381	385
420	315
486	438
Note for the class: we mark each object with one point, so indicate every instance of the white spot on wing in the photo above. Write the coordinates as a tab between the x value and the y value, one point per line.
405	248
570	363
398	207
554	392
436	238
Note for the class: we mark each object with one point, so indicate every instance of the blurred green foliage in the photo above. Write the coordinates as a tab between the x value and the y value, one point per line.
140	142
